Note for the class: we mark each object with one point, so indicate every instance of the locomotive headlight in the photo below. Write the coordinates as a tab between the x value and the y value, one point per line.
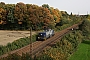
38	37
41	34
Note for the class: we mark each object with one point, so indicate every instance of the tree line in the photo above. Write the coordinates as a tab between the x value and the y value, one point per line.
23	16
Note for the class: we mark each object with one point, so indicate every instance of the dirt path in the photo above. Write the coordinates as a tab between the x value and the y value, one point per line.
10	36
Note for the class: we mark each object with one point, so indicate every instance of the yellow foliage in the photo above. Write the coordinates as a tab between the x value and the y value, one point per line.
56	54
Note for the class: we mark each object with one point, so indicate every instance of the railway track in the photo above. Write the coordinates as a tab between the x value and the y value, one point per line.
39	45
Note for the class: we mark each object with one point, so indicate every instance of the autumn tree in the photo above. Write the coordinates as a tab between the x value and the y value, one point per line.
39	16
56	14
2	16
24	16
2	5
20	13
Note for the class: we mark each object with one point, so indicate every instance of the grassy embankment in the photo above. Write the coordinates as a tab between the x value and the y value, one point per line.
83	52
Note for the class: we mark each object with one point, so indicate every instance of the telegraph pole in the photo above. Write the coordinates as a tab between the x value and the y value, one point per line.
87	12
30	41
78	13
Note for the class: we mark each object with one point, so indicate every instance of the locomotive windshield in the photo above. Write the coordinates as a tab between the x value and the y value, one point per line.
42	34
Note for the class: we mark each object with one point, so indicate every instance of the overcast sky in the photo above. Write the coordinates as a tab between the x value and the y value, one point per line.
74	6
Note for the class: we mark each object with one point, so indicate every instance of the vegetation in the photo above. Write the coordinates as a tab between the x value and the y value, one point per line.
71	45
85	27
83	52
16	44
61	50
65	47
23	16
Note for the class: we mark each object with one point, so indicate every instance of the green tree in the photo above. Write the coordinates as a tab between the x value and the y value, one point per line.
45	6
85	27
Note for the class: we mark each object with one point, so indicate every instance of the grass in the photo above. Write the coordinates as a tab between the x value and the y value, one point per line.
16	44
83	52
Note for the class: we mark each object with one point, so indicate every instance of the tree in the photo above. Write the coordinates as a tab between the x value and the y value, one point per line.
71	14
88	17
2	5
85	28
2	16
45	6
20	14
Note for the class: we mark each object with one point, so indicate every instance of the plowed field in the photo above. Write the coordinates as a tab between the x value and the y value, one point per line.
10	36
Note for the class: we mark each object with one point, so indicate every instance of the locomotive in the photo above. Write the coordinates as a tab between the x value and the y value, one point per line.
45	34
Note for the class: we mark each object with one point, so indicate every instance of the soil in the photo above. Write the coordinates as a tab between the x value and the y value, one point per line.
10	36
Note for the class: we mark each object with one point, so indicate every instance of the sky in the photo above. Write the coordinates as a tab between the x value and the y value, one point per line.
74	6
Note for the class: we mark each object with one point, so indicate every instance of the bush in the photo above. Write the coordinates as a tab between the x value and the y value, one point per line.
16	44
85	28
66	46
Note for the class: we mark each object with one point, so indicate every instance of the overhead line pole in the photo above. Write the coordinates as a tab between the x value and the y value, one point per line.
30	41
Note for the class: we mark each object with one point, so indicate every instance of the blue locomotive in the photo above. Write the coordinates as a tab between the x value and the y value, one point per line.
45	34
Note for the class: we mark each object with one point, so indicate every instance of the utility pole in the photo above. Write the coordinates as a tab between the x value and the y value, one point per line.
30	41
87	12
78	13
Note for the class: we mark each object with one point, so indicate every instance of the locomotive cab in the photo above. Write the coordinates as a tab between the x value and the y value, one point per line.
46	34
41	36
